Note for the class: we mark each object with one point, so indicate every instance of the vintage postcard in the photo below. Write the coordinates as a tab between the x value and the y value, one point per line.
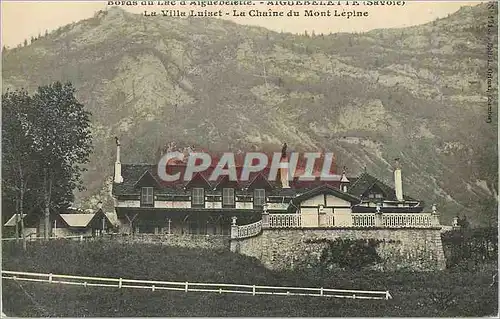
249	159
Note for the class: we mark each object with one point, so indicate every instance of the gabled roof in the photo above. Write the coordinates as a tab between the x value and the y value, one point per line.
147	179
198	179
12	221
77	220
224	181
96	221
366	181
113	218
325	189
377	188
259	179
30	220
132	173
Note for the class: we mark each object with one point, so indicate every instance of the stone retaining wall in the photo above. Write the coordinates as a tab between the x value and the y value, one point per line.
417	249
187	241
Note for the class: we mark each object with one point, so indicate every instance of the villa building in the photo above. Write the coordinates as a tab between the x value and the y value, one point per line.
146	204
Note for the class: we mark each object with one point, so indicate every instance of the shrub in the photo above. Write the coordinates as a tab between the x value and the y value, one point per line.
350	253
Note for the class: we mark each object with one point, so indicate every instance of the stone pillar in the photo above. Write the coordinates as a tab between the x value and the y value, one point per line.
378	219
234	228
321	216
265	217
435	216
378	216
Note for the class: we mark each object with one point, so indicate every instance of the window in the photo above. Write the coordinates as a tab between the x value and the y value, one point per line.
147	196
228	197
193	227
259	197
378	196
375	195
198	197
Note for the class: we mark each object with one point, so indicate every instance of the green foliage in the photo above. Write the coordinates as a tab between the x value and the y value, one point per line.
223	68
416	294
470	247
46	138
350	253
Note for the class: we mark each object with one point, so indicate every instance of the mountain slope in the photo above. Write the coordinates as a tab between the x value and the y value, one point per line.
416	93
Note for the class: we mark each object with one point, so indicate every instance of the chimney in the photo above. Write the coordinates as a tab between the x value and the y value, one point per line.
284	165
398	181
118	165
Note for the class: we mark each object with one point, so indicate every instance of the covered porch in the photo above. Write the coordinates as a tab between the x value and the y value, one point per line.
179	221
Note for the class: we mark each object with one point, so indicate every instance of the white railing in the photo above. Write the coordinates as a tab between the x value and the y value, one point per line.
368	220
249	230
330	221
193	287
395	220
285	220
363	220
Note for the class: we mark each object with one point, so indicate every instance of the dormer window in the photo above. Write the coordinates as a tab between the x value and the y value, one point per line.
375	195
228	197
259	197
198	197
147	198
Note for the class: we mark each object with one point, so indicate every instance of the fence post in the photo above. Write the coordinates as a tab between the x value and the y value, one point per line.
186	289
81	237
253	290
387	295
321	291
120	283
50	278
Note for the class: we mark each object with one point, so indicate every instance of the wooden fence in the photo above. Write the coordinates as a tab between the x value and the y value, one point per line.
193	287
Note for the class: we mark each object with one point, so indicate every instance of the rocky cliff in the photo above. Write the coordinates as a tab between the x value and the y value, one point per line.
418	93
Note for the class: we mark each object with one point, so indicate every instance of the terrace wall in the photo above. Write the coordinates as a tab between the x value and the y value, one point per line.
416	249
186	241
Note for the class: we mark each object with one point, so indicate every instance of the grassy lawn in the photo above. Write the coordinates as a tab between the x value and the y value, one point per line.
447	293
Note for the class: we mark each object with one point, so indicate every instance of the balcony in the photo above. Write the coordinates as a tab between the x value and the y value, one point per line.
325	221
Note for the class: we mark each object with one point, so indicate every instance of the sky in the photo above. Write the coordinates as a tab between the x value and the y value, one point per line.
23	19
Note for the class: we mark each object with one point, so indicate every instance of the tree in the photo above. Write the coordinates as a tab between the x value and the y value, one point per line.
45	138
25	42
19	162
62	142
